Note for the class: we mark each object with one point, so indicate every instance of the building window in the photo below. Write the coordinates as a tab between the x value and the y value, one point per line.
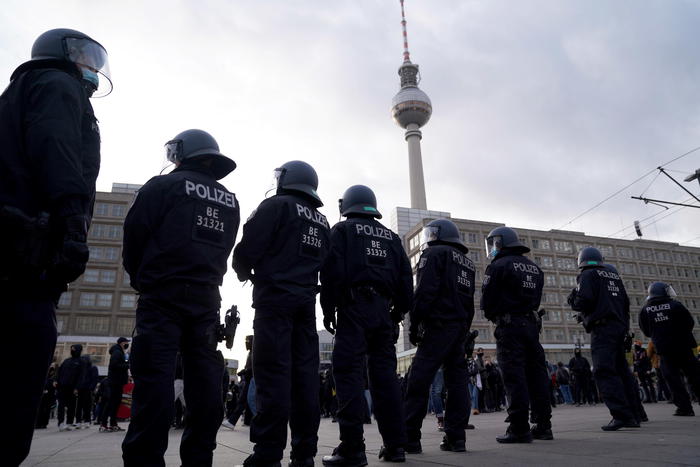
680	257
103	253
118	210
414	259
565	263
128	300
106	231
562	247
108	276
663	256
101	209
547	262
471	237
88	299
606	250
539	244
624	252
645	254
125	326
550	280
111	253
628	268
567	281
91	275
414	242
66	299
570	316
475	255
104	300
92	325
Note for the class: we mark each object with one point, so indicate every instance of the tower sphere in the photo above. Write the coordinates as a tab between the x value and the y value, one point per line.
411	105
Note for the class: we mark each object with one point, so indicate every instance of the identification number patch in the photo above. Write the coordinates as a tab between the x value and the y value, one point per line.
376	252
208	224
310	241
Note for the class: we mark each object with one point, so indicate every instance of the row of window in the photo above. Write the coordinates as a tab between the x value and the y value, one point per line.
104	276
106	231
95	325
98	300
104	253
110	210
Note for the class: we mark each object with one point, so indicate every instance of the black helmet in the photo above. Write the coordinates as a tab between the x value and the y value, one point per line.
660	290
359	199
79	48
198	143
298	176
503	237
590	256
442	231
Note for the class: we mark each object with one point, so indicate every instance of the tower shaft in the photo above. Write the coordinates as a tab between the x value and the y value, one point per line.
415	167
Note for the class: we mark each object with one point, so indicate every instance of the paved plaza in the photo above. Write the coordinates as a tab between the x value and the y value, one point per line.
665	440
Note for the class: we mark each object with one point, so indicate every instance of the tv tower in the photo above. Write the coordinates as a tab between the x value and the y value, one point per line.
411	109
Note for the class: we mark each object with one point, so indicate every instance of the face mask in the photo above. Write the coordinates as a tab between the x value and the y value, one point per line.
91	77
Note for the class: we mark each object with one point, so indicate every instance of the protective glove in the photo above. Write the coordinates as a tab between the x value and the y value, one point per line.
74	254
572	296
329	322
396	315
415	335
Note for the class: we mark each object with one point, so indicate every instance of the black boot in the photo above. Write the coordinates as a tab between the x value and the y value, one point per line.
684	413
413	447
541	433
345	458
454	446
512	437
392	454
253	461
615	424
308	462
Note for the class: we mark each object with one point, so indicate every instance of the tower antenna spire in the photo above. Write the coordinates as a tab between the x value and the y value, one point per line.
406	53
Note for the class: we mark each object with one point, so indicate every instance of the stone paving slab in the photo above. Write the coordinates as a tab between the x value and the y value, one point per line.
665	440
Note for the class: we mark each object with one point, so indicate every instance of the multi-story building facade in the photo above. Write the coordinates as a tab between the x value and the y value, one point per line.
99	307
639	262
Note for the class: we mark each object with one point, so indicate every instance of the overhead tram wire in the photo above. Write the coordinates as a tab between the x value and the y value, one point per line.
631	226
659	219
629	185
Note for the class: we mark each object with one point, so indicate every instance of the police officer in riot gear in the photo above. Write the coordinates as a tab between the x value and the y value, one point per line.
511	295
177	238
442	313
601	299
670	326
284	244
367	279
48	166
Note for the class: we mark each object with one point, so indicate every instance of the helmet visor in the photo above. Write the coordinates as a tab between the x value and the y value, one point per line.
430	233
173	150
493	245
91	57
671	292
276	178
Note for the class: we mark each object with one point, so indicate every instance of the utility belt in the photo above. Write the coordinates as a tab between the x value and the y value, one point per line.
508	318
24	245
366	292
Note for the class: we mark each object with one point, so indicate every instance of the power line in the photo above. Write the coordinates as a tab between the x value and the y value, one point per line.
691	240
629	185
672	212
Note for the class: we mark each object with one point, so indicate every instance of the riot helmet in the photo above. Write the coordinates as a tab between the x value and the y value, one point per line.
590	256
76	47
359	199
501	238
76	350
442	231
191	144
660	290
298	176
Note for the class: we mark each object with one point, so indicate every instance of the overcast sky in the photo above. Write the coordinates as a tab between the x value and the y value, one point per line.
541	108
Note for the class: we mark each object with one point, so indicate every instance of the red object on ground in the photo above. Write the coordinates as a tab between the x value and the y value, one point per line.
124	412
